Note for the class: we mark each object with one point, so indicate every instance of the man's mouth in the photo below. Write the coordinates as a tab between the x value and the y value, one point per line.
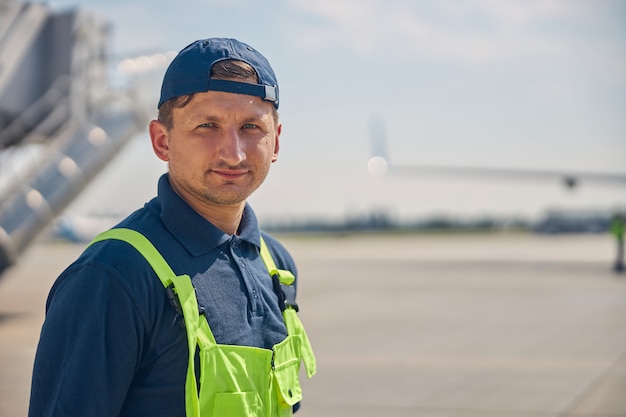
230	174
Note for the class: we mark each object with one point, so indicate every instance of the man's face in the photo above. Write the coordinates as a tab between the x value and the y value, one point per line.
219	149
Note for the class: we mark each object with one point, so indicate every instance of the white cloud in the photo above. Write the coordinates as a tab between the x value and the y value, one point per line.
468	32
514	14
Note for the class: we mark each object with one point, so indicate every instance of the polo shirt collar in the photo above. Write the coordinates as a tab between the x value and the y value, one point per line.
193	231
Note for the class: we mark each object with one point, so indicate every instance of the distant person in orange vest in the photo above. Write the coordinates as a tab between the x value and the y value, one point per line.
617	229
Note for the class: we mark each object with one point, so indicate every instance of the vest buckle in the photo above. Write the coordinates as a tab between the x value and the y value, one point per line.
286	293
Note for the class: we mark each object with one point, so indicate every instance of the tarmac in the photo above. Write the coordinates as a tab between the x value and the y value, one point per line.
458	325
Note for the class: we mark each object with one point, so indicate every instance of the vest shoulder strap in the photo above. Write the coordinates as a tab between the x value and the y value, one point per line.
281	278
145	247
283	286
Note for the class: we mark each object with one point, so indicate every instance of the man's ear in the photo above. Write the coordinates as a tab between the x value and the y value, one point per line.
279	129
159	136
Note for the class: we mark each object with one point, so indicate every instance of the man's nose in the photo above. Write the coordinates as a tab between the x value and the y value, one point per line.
231	147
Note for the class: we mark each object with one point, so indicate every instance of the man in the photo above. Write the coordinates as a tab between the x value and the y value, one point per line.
183	317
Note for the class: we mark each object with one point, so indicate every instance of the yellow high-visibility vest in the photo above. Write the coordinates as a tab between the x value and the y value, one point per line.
240	381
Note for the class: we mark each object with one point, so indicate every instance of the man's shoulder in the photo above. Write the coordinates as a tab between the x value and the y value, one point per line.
115	259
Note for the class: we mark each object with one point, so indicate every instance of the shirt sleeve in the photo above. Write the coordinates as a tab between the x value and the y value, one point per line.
89	346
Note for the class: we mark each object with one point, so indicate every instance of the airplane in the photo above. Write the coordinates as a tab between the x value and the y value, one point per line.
380	164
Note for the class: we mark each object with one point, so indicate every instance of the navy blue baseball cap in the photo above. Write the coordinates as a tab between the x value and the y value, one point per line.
190	71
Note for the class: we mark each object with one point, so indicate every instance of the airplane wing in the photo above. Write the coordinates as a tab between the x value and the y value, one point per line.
380	164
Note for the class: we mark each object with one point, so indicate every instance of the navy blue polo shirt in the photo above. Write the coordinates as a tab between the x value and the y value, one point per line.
112	344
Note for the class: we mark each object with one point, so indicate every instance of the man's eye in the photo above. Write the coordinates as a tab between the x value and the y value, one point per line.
249	126
208	124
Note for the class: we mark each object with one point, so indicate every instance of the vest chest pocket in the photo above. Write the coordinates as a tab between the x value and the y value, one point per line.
286	367
240	404
234	381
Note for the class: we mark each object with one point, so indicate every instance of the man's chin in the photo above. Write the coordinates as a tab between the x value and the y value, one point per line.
228	197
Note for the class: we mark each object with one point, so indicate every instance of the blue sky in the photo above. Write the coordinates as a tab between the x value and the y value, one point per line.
506	83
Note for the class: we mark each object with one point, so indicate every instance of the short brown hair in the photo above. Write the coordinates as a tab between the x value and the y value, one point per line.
223	70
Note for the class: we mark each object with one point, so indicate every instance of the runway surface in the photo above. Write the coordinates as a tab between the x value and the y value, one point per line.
505	325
